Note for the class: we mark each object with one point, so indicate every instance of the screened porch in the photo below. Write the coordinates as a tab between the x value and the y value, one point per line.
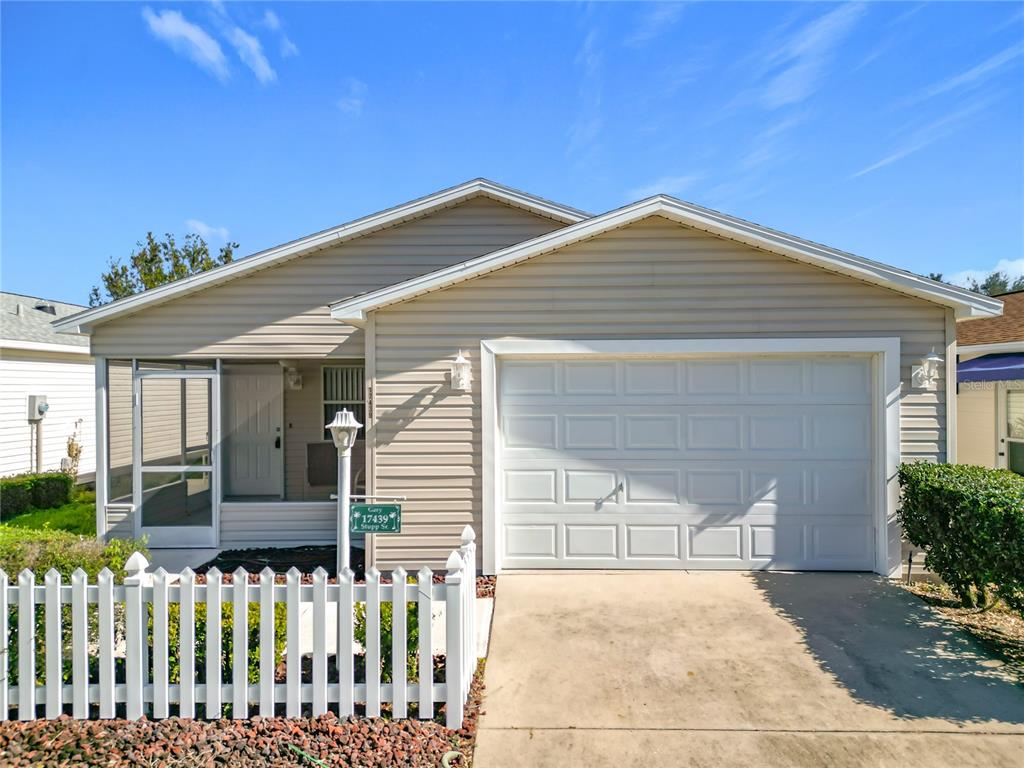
226	454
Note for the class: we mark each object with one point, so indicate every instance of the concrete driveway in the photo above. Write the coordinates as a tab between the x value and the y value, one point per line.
722	669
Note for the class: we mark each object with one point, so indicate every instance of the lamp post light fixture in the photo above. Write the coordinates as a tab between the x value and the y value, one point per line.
344	429
926	375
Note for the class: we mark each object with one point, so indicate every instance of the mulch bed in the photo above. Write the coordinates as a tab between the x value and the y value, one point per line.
175	743
999	628
305	560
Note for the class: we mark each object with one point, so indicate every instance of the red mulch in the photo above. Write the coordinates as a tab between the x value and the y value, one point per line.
256	743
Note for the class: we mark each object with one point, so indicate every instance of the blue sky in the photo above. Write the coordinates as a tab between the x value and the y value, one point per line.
888	129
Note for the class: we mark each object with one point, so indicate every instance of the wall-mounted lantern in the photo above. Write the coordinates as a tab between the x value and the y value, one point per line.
927	374
462	374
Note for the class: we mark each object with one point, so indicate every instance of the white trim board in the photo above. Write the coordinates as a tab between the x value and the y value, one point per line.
964	302
991	349
885	352
83	322
43	346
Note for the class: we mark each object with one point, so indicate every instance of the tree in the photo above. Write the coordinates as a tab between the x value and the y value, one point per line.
996	283
155	262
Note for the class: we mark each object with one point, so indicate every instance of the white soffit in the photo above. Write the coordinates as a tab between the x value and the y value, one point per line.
965	303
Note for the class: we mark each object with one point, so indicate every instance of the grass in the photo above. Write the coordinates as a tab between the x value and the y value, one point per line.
77	516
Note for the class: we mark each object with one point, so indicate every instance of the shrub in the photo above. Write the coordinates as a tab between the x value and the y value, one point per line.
970	521
412	635
39	550
20	493
227	623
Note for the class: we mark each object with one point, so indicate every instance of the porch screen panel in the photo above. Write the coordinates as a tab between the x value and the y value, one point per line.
119	430
176	457
344	387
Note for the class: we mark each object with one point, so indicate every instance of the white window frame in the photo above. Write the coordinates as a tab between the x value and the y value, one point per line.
1002	424
886	393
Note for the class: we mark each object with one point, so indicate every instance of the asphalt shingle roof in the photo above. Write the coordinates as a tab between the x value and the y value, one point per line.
21	321
995	330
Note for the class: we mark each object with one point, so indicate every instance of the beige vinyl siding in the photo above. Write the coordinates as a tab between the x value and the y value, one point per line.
282	311
270	525
653	279
68	381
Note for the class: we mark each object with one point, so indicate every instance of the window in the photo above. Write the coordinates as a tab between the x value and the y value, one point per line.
344	387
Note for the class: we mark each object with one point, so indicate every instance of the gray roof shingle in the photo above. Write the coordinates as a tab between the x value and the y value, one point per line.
20	320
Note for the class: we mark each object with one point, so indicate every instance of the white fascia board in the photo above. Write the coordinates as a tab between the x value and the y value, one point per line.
990	349
964	302
39	346
83	322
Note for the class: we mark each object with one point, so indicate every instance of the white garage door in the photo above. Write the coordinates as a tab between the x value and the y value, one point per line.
717	463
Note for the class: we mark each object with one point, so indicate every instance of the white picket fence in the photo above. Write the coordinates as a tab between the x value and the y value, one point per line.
144	688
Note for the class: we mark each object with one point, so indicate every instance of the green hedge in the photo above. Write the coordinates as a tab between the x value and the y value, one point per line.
40	550
970	521
20	493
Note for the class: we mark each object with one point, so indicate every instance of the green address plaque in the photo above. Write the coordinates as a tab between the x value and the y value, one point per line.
375	518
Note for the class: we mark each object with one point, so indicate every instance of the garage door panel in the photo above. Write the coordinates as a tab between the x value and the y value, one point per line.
720	463
591	541
769	380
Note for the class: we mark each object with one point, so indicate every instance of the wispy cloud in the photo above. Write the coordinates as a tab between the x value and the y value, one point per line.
666	185
250	51
355	93
1013	268
272	22
768	145
928	134
800	64
188	40
973	77
654	22
206	231
584	132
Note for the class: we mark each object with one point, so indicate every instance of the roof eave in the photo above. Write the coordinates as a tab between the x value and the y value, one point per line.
84	322
965	304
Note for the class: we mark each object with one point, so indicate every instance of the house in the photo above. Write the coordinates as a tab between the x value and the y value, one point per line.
659	386
38	362
990	394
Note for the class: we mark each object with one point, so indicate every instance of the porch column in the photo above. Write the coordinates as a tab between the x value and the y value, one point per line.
101	448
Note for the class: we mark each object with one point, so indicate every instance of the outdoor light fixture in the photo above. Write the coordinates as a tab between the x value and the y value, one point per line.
462	374
926	375
344	429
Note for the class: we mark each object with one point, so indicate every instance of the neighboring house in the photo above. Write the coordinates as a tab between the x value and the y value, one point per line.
36	360
990	394
660	386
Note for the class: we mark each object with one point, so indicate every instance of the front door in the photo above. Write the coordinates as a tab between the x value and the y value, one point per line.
253	429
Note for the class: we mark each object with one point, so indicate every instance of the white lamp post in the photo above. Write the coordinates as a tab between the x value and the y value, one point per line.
344	429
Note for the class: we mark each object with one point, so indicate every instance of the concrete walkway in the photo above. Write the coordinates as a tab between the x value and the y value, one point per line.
744	669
